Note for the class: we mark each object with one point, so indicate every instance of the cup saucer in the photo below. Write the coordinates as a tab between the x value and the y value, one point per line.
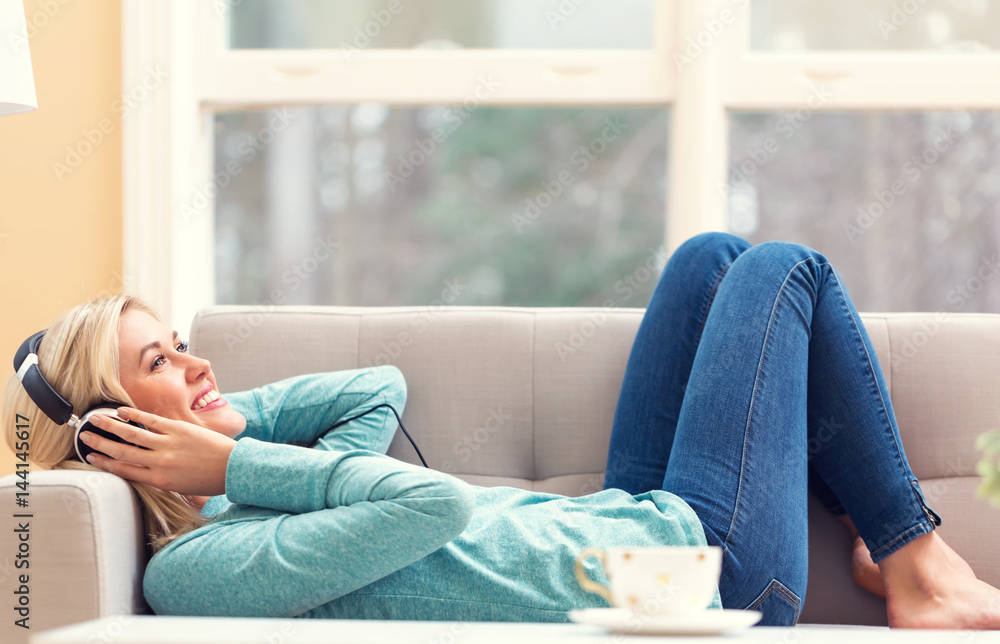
702	622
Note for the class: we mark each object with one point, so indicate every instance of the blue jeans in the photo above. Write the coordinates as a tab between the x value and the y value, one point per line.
752	381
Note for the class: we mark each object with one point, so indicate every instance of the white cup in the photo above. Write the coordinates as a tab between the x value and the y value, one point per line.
655	580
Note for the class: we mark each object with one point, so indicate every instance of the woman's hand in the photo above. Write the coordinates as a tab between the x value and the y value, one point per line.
180	456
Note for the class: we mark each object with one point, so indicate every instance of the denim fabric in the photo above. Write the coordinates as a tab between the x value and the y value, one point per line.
751	382
341	530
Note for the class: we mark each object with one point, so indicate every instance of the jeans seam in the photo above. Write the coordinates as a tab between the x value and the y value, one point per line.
871	372
753	397
787	594
878	551
888	419
931	515
776	586
711	296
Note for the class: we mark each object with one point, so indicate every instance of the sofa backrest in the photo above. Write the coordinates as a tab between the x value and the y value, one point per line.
524	397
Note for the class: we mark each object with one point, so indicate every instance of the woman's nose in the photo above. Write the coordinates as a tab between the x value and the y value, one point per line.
199	365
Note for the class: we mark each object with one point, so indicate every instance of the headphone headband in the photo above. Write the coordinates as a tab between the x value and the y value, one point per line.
39	390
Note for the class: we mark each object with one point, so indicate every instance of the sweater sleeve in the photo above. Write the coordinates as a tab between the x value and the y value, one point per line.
303	409
357	516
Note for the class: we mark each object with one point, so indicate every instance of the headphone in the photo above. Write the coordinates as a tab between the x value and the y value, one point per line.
61	412
55	406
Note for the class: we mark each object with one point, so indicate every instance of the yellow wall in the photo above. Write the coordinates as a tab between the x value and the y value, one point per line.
60	237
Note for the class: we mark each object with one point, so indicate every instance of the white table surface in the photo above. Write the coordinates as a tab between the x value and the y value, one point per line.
149	629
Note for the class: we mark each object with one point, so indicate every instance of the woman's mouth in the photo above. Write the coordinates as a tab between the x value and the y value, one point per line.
209	401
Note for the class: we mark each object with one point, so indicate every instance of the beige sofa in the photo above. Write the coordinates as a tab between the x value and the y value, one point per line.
521	397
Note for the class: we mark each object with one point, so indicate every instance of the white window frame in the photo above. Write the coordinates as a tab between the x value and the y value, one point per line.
168	202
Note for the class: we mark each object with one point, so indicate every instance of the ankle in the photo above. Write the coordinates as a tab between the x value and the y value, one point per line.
918	566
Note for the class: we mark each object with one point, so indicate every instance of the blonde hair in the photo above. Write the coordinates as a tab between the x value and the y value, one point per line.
79	357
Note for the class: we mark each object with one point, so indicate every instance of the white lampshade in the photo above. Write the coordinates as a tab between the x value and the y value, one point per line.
17	85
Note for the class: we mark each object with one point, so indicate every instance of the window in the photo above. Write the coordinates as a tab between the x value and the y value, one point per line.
372	205
958	25
501	24
703	84
904	204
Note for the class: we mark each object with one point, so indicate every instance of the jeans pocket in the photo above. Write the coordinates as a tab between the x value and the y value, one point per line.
779	605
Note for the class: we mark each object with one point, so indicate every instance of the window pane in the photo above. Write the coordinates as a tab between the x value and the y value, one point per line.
386	24
952	25
905	205
371	205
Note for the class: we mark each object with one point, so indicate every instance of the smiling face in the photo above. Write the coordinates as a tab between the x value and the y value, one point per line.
162	378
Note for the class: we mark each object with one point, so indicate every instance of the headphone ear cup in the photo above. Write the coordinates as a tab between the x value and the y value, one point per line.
82	449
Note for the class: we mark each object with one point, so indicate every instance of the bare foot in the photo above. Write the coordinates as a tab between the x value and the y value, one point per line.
865	571
928	585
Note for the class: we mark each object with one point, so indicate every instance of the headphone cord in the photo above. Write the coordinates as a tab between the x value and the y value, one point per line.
398	420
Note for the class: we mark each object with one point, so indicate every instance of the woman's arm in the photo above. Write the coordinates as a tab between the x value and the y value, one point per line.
357	516
304	408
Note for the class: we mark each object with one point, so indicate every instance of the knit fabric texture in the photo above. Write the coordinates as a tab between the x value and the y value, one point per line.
341	530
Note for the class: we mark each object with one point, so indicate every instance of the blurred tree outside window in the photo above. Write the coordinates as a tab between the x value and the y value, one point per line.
907	214
517	206
906	205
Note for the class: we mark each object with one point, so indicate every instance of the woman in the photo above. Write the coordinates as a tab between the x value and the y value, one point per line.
751	382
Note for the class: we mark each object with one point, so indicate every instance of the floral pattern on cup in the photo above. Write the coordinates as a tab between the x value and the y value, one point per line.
655	580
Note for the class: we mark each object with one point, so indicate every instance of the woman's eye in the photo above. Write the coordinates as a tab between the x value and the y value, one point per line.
182	347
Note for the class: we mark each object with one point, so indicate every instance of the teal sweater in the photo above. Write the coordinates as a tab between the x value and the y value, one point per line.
341	530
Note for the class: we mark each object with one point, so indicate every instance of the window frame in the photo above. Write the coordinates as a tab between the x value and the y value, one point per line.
168	189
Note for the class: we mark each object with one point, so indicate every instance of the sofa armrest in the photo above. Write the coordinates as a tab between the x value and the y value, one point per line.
84	544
